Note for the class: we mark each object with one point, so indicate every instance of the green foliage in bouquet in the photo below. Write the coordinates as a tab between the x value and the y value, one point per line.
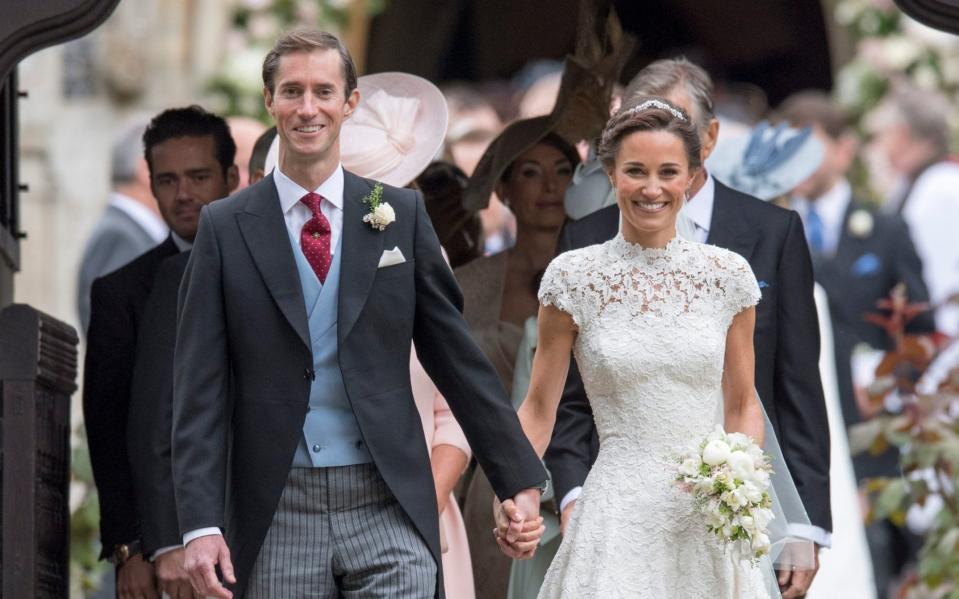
926	431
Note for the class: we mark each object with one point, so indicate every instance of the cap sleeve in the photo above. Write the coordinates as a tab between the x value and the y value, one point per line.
555	288
742	288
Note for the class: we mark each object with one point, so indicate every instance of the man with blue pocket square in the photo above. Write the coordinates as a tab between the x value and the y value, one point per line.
859	255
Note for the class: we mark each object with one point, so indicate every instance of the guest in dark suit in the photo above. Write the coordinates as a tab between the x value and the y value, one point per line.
295	432
190	157
859	255
787	332
131	222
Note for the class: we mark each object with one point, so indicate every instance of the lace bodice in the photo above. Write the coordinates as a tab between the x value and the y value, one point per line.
650	347
652	330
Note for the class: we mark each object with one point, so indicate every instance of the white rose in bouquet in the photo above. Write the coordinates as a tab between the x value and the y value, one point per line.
716	452
741	465
753	493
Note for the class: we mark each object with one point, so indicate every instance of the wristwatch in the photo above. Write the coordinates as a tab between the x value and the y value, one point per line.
124	551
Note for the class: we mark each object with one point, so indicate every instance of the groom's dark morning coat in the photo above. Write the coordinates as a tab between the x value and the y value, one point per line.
242	313
786	343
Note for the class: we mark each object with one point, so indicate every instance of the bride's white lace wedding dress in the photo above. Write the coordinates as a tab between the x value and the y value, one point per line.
652	333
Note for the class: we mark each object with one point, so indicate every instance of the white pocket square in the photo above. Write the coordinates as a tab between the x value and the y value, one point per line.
391	258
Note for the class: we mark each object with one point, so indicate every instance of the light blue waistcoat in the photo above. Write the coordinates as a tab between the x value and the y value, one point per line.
331	436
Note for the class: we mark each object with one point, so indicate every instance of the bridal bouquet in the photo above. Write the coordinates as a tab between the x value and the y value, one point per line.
728	477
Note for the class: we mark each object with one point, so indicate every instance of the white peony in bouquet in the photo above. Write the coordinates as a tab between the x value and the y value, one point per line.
728	477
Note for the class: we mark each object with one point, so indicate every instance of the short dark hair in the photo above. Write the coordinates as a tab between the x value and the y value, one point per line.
814	107
630	120
191	121
308	40
260	149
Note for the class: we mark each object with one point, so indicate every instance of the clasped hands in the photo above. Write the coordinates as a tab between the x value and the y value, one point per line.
519	526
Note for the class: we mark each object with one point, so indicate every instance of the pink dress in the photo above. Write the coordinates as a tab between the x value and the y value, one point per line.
442	429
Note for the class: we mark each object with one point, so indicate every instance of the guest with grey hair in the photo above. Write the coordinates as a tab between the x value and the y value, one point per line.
130	223
591	191
912	132
786	336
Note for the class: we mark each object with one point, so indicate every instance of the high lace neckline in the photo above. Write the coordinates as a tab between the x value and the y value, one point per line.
630	251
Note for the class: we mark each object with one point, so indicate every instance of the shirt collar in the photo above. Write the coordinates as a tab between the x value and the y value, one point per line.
291	192
180	243
700	207
830	206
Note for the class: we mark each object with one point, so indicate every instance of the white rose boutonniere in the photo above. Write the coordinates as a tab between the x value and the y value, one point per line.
381	214
860	223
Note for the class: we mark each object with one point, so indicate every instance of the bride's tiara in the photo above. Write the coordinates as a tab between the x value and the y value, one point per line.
657	104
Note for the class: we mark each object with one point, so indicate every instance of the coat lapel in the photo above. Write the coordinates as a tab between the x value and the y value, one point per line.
362	246
266	236
728	227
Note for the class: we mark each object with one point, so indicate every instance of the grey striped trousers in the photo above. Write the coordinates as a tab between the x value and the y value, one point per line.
339	532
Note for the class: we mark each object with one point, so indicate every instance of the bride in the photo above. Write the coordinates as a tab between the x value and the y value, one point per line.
662	329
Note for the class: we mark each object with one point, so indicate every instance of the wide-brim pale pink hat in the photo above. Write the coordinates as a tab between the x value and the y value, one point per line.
396	130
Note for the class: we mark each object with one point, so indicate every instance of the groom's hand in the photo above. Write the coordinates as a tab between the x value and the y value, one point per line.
518	524
202	556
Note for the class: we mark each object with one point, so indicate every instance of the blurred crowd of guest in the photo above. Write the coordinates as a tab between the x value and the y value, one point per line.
500	176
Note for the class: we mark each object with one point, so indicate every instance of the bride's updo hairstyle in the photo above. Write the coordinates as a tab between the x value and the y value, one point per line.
649	113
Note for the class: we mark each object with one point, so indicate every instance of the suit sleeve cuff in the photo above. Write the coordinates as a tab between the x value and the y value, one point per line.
812	533
200	532
570	497
163	550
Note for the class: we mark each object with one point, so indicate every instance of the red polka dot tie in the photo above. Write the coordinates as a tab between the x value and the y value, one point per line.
315	237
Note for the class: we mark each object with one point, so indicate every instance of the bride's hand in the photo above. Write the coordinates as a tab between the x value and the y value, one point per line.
519	527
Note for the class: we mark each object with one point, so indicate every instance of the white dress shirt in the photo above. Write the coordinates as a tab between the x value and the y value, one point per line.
831	208
180	243
296	214
699	209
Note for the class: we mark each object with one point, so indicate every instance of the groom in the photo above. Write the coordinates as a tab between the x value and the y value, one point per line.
295	432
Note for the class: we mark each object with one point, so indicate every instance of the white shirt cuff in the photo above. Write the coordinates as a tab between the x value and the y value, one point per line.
570	497
163	550
812	533
200	532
